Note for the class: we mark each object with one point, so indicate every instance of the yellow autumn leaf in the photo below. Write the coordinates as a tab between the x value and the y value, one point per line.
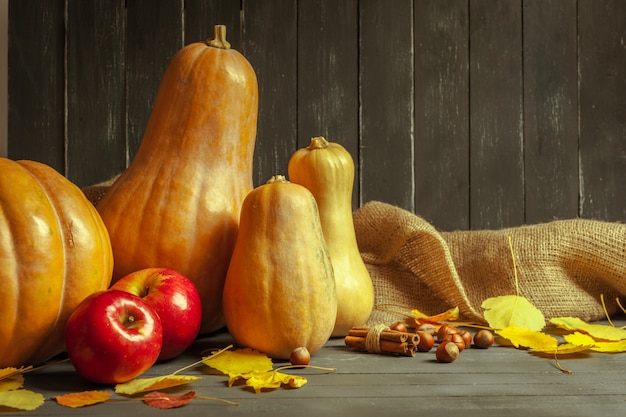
597	346
254	367
597	331
239	363
156	383
273	380
610	347
11	371
512	310
578	338
562	349
12	383
448	315
82	399
520	336
21	399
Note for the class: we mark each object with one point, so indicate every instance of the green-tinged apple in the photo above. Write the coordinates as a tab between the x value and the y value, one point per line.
113	336
175	299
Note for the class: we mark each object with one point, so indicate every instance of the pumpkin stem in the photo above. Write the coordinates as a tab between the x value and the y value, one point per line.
219	39
318	142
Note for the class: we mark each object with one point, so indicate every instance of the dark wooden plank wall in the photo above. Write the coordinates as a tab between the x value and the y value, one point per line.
472	113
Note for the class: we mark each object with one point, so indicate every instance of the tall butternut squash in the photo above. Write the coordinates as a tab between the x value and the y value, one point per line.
327	170
280	289
177	204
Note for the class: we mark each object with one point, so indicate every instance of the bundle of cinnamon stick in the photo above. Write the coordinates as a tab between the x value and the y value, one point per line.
383	340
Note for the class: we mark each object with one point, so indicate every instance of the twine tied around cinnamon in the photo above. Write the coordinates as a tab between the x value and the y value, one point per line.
372	339
381	339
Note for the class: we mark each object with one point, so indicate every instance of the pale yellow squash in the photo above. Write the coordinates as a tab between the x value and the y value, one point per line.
327	170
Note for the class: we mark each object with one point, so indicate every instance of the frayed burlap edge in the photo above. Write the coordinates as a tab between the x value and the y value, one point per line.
563	266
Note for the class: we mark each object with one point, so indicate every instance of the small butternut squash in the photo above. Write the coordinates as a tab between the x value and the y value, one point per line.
280	289
54	252
327	170
177	204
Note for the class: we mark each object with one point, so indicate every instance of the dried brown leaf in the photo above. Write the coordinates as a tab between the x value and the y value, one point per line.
158	399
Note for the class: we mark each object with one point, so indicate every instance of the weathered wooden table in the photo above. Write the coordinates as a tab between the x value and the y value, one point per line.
500	381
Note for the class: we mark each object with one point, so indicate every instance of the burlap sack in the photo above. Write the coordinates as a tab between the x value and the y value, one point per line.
563	266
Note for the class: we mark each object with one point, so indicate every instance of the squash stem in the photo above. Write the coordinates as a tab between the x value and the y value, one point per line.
318	142
219	39
277	178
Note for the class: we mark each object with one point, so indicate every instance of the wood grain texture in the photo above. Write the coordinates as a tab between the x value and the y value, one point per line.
474	114
496	137
602	54
36	128
387	108
96	112
442	189
328	83
272	49
494	382
550	110
148	52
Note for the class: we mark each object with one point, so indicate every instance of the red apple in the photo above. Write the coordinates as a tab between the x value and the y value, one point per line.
175	299
113	336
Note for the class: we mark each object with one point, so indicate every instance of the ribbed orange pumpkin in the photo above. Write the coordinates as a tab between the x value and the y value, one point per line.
177	205
54	252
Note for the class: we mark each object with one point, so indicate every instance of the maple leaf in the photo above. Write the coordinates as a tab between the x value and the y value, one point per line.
597	331
512	310
161	400
520	336
82	399
138	385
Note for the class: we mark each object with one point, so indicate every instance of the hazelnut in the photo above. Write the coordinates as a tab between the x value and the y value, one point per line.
427	327
445	329
427	341
457	339
300	356
467	337
447	352
398	327
483	339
